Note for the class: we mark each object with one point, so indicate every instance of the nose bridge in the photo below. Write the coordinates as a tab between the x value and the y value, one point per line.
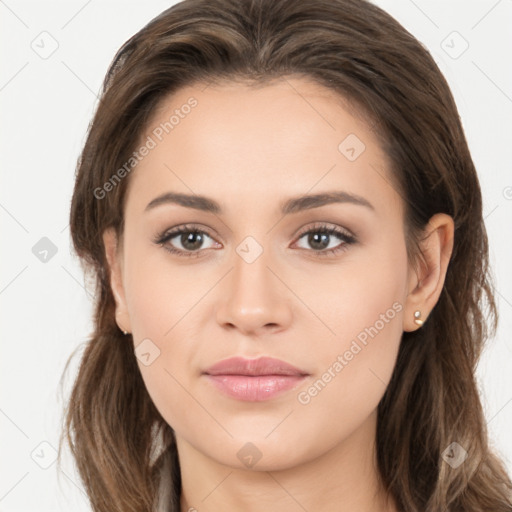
253	297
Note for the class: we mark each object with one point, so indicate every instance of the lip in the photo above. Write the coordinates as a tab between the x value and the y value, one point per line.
254	380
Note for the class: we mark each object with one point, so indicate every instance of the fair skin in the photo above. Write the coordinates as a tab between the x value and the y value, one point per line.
250	150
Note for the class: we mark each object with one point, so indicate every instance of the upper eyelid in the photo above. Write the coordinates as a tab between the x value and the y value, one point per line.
325	225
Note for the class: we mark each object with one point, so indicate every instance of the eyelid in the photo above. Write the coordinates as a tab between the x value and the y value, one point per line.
163	237
319	225
184	227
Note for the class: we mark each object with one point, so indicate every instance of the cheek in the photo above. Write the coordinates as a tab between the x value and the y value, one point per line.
348	389
357	325
162	301
364	308
353	295
354	367
160	293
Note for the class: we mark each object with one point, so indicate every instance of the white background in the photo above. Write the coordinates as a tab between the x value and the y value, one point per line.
46	107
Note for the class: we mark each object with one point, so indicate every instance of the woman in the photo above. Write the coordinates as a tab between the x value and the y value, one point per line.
279	207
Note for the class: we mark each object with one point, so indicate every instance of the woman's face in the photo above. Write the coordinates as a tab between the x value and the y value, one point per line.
300	257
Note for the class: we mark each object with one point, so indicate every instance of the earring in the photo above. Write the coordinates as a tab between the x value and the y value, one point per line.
123	331
417	319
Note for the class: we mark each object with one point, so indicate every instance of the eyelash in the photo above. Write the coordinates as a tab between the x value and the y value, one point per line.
166	236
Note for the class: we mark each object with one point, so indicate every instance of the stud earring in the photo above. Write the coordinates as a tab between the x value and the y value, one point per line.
123	331
417	320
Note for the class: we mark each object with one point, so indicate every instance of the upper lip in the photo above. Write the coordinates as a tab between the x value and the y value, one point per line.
253	367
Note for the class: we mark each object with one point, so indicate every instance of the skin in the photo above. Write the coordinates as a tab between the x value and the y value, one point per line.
250	149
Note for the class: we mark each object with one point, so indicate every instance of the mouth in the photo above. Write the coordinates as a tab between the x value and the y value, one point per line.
254	380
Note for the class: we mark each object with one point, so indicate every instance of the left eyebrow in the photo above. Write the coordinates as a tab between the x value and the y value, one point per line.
292	205
300	203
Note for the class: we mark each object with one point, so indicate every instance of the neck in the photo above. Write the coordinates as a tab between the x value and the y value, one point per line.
343	479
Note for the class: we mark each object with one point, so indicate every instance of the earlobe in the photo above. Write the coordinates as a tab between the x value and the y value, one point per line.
426	283
113	256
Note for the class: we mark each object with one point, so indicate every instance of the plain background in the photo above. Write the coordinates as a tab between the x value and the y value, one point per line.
47	102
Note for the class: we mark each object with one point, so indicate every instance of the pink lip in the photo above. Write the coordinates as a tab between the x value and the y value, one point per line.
254	380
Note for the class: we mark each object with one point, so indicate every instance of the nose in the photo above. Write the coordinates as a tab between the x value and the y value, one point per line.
254	299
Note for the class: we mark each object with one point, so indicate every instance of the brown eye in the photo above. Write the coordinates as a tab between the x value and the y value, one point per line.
185	241
325	240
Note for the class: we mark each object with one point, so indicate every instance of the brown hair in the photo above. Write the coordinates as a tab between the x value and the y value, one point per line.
357	50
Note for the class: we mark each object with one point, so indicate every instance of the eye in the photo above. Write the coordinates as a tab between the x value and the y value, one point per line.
185	241
321	238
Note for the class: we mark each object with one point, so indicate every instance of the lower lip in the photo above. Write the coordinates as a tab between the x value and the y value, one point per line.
254	388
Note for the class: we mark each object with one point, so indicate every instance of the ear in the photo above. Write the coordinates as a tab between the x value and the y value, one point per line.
114	259
426	282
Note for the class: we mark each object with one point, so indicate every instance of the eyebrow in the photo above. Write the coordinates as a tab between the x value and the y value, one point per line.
292	205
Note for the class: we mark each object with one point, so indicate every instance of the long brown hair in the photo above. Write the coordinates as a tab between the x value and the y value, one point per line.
357	50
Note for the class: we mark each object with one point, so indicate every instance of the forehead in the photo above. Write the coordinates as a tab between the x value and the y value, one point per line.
246	144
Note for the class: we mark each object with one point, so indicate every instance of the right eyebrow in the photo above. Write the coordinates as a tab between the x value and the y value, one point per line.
189	201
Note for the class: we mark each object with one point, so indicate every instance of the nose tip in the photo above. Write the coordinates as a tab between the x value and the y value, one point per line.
254	300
